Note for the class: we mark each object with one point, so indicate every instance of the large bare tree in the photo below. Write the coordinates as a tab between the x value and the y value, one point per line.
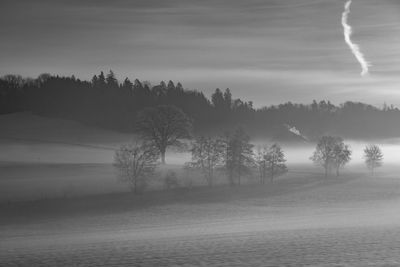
165	126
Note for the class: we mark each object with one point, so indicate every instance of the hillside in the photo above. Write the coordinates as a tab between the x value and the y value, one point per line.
27	127
113	105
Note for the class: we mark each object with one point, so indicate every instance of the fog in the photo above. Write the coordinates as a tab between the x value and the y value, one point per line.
70	203
34	152
300	153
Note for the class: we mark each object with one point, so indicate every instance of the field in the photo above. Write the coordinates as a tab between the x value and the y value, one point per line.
353	221
67	209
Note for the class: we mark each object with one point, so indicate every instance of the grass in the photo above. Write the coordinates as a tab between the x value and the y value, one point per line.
291	190
300	219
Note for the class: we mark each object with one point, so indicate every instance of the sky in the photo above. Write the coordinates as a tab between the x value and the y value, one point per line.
266	51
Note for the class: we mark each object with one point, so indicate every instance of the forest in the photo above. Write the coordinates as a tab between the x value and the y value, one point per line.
106	102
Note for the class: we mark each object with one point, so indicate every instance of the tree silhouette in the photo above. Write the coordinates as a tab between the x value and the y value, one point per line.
275	161
95	103
111	81
135	163
341	156
207	154
101	81
373	157
238	155
259	159
331	152
164	126
217	99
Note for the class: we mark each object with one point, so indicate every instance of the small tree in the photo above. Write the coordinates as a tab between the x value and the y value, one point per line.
135	163
331	152
341	156
373	157
259	159
275	161
164	126
207	154
238	155
111	81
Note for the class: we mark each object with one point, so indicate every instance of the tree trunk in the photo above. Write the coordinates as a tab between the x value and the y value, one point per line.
163	157
210	178
326	172
264	173
337	171
134	187
231	178
272	174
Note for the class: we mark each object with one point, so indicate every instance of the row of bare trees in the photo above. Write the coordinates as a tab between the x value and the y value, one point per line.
232	153
165	126
332	153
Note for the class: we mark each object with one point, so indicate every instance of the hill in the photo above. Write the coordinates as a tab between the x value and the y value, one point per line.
105	102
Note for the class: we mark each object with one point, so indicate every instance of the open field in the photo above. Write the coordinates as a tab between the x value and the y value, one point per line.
352	221
61	205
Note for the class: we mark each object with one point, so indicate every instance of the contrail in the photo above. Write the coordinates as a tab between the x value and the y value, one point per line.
355	48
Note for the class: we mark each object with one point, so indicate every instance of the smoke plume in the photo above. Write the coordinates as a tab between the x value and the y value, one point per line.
355	48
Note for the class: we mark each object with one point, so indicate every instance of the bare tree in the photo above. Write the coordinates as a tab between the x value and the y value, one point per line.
341	155
373	157
207	154
331	152
238	156
164	126
259	159
135	163
275	161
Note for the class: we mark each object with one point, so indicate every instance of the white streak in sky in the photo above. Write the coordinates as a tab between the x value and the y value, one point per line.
347	37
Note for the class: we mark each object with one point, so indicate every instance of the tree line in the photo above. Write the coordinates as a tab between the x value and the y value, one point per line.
107	102
231	153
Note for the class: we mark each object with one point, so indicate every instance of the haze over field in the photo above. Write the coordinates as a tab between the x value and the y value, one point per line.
27	138
43	157
200	133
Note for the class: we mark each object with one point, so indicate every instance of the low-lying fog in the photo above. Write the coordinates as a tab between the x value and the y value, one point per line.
38	169
301	153
32	152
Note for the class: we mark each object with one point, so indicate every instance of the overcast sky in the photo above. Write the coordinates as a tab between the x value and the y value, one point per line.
267	51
